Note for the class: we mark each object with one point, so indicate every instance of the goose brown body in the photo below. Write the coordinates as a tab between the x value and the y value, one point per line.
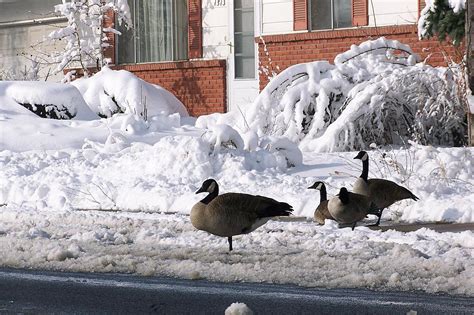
232	214
382	192
349	208
321	213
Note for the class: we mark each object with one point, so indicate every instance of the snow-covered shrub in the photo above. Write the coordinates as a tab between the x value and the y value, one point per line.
47	100
285	147
221	135
375	92
266	152
85	34
109	92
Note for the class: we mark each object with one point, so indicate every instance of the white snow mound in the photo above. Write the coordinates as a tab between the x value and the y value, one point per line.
110	91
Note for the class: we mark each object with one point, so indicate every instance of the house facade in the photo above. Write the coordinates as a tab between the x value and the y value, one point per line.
216	55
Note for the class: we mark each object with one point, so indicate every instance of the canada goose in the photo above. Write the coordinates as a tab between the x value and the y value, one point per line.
381	192
321	213
349	208
233	213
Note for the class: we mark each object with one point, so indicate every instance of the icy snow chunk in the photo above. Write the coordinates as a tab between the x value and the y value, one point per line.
38	233
238	309
61	254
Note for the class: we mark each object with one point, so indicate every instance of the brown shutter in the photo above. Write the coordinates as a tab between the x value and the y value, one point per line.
194	29
421	6
360	12
300	15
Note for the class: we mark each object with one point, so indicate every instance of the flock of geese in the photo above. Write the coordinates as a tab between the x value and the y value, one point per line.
232	214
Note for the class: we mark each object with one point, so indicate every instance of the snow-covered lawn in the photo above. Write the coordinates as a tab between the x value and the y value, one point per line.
48	222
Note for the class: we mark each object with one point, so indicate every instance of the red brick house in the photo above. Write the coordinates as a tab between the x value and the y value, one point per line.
209	52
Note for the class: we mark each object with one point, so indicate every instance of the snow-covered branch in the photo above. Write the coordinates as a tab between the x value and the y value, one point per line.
85	33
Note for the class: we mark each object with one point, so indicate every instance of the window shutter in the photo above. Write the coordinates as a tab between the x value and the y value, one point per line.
421	6
360	12
300	15
194	29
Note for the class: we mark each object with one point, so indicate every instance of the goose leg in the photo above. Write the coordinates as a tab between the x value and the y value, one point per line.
229	239
354	225
380	216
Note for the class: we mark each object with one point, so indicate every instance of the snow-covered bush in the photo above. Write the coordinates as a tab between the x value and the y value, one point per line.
45	99
374	93
85	34
109	92
443	18
266	152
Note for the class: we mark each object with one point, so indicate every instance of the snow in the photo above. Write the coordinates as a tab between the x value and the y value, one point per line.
375	92
111	91
114	194
238	309
430	6
62	96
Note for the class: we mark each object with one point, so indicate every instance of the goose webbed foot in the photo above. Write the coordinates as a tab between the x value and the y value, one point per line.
229	239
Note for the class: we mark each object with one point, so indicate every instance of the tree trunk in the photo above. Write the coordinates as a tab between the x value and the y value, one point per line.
470	66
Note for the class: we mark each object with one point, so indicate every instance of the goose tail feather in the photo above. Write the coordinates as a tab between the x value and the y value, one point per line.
275	210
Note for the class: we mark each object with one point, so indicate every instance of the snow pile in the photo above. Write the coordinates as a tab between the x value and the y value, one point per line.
48	100
238	309
109	92
163	175
370	95
300	253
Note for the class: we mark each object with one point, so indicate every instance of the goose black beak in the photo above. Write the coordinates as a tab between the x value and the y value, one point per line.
200	190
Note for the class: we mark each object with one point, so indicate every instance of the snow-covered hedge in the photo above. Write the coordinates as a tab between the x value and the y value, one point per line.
376	92
109	92
45	99
106	93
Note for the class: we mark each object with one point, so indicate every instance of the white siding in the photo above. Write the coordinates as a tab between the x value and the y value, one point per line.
215	32
15	41
389	12
277	16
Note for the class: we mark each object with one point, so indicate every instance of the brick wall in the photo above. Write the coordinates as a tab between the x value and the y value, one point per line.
289	49
200	85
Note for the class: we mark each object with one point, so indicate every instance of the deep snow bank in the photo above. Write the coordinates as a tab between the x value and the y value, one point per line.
162	176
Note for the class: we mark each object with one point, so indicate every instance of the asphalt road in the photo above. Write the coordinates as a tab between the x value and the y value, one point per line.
36	292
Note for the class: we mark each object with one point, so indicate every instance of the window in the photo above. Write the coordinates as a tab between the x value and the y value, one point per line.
159	33
329	14
21	10
244	55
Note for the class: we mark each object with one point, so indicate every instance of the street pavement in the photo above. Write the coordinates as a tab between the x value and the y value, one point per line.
38	292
